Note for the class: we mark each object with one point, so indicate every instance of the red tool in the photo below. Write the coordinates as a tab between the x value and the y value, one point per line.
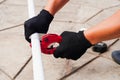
47	41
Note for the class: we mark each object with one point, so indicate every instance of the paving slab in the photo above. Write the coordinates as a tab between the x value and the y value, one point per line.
4	76
12	15
67	13
14	50
27	73
24	2
57	27
114	47
100	69
102	4
1	1
103	15
14	2
56	67
78	13
76	64
53	69
84	13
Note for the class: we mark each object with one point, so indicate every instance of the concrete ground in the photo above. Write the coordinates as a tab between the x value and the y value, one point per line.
15	53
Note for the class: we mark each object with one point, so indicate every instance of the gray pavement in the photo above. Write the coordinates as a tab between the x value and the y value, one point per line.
15	53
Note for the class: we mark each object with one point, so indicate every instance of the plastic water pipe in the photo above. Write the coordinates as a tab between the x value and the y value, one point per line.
36	48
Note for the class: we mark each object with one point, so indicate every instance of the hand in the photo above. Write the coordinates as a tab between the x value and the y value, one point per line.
39	24
73	45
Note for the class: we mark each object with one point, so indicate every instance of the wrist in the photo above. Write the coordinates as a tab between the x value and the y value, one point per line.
90	37
50	11
84	40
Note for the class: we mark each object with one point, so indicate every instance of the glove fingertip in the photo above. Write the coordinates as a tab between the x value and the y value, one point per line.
56	54
29	40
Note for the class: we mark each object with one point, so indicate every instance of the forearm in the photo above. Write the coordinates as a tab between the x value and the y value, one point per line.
106	30
55	5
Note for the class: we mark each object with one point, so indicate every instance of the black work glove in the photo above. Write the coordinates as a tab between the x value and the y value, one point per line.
39	24
73	45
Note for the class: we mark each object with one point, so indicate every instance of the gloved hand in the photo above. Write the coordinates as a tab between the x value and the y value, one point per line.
73	45
39	24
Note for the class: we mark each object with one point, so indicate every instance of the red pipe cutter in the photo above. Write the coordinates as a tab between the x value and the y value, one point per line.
47	43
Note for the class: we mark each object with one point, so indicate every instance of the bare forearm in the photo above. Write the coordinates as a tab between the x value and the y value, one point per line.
106	30
55	5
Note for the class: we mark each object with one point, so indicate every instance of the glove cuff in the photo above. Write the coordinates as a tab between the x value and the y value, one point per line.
84	40
45	14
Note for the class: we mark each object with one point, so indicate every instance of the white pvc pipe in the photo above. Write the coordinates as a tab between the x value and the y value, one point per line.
36	56
31	8
36	49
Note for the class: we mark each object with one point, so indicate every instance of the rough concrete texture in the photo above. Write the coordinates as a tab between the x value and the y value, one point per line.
100	69
14	51
4	75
